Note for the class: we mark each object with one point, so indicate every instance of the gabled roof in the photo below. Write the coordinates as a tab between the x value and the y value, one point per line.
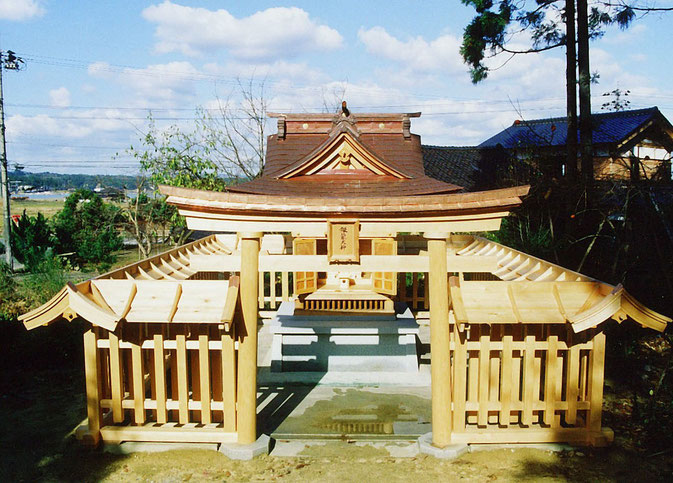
301	159
532	290
612	128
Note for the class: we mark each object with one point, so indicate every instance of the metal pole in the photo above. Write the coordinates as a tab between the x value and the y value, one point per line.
5	178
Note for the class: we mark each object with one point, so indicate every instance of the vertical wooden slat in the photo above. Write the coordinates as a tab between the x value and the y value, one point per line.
160	378
182	381
116	379
138	379
92	374
484	356
272	287
572	382
261	290
550	393
174	414
596	372
528	378
506	377
229	381
285	285
426	289
195	379
414	290
204	372
473	367
460	374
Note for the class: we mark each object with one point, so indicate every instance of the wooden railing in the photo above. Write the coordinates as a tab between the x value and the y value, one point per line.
411	288
526	383
144	379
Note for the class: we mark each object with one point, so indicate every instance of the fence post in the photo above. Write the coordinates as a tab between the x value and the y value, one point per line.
91	372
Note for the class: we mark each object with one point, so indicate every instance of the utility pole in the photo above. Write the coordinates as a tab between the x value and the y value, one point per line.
11	62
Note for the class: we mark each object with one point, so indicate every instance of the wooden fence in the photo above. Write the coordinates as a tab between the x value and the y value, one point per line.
526	383
159	382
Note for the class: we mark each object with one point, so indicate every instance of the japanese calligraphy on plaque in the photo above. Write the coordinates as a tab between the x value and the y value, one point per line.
343	241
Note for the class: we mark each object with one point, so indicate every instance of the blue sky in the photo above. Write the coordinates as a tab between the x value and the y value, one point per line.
95	68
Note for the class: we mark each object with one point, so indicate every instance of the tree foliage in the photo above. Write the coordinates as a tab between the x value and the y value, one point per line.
32	239
497	22
86	227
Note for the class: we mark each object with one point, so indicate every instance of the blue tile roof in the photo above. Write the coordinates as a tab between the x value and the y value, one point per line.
608	128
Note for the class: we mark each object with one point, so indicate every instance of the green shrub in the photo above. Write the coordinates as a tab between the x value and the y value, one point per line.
32	240
86	227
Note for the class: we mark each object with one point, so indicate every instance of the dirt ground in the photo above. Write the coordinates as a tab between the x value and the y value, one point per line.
39	412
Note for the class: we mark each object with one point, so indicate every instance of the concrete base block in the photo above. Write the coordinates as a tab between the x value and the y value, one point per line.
246	452
452	451
130	447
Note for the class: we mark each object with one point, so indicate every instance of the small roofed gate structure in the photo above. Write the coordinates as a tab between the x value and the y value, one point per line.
517	351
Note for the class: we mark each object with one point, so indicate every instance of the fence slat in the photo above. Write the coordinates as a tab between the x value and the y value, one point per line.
272	288
204	372
116	382
229	380
160	378
285	286
261	290
182	378
414	290
506	378
550	394
484	357
138	380
459	378
572	383
426	292
195	379
528	379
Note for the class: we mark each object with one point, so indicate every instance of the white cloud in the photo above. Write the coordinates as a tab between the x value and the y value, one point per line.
274	32
20	9
59	97
417	54
92	122
166	83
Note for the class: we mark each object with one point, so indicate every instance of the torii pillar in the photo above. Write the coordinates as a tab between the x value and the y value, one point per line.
246	414
440	361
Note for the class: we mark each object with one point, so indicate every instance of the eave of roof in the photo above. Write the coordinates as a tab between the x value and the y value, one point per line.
393	206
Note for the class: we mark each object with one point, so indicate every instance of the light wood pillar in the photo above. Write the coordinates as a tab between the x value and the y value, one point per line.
440	362
93	396
246	415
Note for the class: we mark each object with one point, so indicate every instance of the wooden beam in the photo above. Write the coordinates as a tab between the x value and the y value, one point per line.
93	396
167	434
368	263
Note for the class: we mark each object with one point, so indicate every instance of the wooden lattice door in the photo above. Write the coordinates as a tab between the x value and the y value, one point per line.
384	282
305	282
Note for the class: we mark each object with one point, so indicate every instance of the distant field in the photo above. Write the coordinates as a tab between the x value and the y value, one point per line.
32	207
47	207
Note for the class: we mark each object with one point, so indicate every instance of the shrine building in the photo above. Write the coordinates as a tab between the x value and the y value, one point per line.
344	236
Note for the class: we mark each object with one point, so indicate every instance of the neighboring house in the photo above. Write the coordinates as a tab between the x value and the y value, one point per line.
634	144
627	144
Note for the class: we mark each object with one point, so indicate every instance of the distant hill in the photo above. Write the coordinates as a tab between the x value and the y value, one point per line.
56	181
